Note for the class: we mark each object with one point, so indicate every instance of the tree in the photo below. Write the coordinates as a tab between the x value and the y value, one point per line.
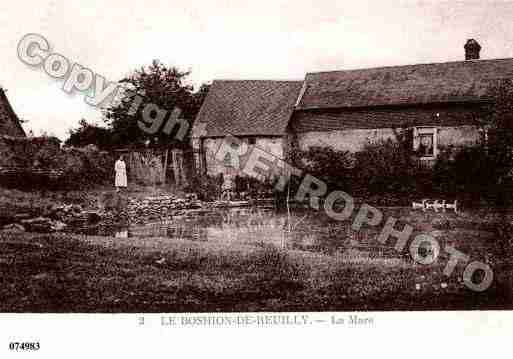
87	134
498	129
499	118
162	86
498	125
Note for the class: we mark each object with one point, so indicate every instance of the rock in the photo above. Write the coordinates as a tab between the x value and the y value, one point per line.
41	276
67	208
13	228
58	226
43	225
436	233
35	220
441	223
21	216
57	208
191	196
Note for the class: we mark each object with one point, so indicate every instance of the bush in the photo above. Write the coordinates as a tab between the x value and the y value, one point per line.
390	172
479	173
389	166
384	168
253	188
83	167
334	167
208	188
40	162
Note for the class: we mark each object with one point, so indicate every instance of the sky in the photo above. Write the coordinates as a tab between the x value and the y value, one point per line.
228	39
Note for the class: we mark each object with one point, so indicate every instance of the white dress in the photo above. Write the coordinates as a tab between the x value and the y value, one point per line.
120	169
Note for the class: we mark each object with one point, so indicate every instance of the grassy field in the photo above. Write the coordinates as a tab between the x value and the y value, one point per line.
70	273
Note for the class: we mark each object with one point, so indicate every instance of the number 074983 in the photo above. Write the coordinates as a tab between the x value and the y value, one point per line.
24	346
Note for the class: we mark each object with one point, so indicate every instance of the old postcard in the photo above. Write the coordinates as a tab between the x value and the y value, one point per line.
209	177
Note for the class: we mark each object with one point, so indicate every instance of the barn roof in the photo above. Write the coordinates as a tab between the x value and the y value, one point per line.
459	81
247	107
9	122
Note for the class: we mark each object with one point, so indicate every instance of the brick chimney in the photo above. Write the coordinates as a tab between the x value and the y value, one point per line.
472	49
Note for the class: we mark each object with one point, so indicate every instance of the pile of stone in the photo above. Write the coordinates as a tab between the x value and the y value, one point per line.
73	218
54	219
161	207
38	224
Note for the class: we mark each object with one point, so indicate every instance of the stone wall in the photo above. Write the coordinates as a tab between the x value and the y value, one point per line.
458	136
345	140
40	161
354	140
23	151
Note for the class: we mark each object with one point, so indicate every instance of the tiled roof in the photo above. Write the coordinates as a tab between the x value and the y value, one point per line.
9	122
247	107
460	81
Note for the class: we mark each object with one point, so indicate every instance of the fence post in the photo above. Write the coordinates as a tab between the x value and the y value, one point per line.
165	166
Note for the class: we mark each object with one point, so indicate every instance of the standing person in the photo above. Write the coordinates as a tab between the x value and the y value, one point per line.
120	168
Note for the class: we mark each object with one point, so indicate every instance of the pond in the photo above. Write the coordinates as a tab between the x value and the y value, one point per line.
302	229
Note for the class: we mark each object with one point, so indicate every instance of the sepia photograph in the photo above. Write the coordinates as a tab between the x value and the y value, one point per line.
186	162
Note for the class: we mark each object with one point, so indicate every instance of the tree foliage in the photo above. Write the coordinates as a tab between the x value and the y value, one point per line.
158	84
499	129
89	134
166	87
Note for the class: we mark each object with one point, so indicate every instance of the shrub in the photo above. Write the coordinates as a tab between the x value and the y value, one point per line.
388	166
40	162
382	168
254	188
478	173
390	172
84	167
334	167
208	188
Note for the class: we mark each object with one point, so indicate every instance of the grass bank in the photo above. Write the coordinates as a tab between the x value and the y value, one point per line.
63	273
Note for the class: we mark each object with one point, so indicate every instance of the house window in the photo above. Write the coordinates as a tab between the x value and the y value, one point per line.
425	142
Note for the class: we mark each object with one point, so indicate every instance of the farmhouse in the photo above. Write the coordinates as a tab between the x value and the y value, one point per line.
442	103
257	112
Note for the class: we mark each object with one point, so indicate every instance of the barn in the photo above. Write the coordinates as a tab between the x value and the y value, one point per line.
442	103
255	111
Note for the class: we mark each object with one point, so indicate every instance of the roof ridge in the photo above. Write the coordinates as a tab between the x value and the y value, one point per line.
255	80
412	65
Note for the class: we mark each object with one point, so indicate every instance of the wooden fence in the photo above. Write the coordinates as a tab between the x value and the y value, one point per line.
156	166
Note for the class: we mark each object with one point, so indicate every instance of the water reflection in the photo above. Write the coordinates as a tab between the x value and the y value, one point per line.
304	230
